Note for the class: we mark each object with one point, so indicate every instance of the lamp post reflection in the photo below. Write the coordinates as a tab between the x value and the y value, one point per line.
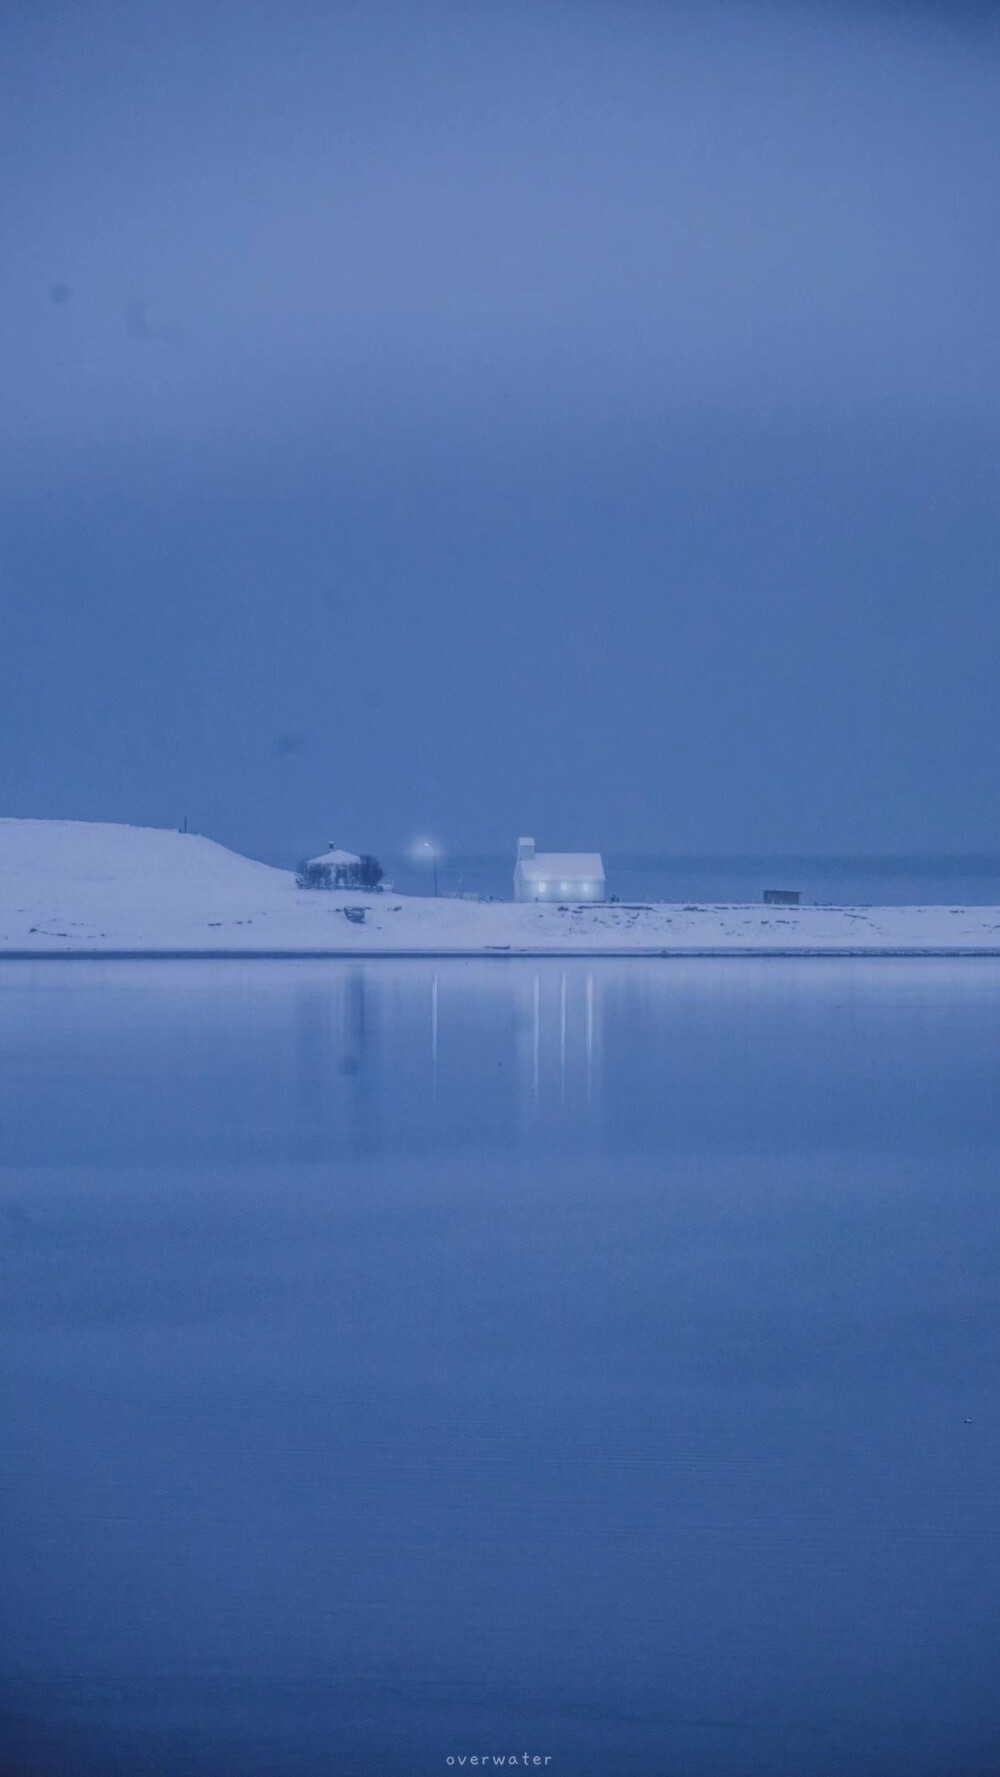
434	1037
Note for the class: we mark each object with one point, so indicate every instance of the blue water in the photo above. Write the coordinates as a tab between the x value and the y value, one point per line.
405	1362
836	882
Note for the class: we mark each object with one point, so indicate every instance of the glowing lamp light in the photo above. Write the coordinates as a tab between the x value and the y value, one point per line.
426	851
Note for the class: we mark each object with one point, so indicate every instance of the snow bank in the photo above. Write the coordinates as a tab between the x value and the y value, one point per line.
70	887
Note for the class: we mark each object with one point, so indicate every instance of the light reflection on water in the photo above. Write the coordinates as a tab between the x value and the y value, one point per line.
407	1359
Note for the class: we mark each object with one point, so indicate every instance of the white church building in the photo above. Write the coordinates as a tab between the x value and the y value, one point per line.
557	875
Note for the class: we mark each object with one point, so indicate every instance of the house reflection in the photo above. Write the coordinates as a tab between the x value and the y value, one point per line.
336	1073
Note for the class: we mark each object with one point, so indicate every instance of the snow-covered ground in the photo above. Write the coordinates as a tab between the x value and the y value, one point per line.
77	886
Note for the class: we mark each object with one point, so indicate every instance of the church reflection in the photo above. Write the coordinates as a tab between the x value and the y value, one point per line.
413	1055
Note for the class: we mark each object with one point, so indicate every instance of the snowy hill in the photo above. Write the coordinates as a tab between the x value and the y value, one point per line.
76	886
84	884
100	852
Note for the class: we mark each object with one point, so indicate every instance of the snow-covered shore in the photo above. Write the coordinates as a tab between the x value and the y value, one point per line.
88	888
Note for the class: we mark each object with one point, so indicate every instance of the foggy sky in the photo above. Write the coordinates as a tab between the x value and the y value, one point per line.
476	419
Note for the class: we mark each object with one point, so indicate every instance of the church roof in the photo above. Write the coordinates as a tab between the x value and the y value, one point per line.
563	866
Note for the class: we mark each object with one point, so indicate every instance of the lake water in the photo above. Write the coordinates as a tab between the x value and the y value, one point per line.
407	1362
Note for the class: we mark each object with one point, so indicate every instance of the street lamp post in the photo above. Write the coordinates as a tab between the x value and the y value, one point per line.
427	845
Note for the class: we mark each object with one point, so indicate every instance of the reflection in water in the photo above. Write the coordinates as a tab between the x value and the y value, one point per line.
590	1036
434	1037
320	1061
408	1360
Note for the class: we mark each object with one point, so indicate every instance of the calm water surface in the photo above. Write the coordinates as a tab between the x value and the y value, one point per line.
405	1362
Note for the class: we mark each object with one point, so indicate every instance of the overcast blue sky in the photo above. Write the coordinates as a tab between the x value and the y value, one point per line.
570	418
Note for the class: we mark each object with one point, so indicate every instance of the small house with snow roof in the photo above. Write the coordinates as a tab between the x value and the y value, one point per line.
336	869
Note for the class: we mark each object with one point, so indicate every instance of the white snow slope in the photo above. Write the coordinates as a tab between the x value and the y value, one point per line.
78	887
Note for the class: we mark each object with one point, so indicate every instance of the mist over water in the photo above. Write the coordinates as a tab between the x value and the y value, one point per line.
835	882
